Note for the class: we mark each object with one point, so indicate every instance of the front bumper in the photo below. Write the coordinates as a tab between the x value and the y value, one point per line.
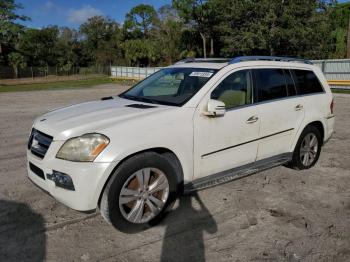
88	179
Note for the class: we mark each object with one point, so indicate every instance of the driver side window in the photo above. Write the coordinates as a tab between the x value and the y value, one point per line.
235	90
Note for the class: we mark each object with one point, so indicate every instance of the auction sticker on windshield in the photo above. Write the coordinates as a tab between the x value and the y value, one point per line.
201	74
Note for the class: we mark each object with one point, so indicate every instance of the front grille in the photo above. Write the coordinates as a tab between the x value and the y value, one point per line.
36	170
39	143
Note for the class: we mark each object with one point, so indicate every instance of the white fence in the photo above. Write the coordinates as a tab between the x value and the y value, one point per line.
337	69
133	72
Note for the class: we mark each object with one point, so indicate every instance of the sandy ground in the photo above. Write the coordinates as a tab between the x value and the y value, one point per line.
277	215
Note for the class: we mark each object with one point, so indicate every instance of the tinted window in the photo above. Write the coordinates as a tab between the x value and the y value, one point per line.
270	84
290	83
235	90
306	82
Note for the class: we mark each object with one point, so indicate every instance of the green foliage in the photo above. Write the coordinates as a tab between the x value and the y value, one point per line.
10	30
40	45
141	51
169	34
201	16
314	29
16	60
339	20
292	28
141	18
102	38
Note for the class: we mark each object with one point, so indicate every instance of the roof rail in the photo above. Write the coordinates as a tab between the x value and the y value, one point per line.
203	60
268	58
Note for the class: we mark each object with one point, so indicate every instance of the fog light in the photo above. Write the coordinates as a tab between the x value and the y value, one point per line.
61	180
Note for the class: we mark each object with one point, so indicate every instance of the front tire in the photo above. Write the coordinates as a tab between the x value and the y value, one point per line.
139	192
308	149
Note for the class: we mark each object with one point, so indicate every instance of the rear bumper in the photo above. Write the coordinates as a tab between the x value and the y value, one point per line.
88	180
329	130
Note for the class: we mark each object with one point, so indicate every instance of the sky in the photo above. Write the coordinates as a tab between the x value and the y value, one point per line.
72	13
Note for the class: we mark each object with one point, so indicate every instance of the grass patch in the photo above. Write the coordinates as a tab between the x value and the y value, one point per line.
341	91
71	84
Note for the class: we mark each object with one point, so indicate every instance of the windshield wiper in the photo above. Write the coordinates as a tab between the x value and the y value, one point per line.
139	98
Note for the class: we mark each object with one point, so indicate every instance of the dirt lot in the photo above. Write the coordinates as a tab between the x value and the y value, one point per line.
277	215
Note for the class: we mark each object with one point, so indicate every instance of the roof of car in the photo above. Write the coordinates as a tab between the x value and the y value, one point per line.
201	65
218	63
218	66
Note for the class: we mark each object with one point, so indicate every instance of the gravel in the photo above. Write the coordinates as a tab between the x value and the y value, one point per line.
277	215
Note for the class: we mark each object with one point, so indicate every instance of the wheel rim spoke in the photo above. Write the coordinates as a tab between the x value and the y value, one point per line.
151	206
139	176
308	159
313	141
156	201
303	151
305	157
160	184
136	212
146	175
128	195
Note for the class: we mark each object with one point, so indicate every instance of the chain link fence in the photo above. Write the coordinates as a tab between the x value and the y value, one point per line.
8	75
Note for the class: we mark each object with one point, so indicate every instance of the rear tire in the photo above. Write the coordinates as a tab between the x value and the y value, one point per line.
307	150
140	192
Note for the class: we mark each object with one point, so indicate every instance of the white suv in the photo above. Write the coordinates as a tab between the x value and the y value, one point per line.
195	124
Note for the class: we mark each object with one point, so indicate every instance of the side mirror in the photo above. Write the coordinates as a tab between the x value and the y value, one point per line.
215	108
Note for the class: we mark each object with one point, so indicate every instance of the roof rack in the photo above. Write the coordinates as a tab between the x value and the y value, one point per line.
268	58
204	60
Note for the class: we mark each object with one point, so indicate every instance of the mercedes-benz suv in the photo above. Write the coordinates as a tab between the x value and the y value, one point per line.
195	124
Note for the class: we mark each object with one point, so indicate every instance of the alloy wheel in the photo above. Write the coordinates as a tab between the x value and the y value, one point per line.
144	195
308	149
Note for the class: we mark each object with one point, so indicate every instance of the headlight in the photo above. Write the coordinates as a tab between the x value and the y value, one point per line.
84	148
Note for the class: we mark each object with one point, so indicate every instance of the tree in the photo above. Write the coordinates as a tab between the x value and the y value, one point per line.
67	49
40	46
102	38
169	34
141	51
197	14
16	60
339	19
275	27
141	18
9	27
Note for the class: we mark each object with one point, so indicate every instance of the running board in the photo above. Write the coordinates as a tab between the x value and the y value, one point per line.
237	173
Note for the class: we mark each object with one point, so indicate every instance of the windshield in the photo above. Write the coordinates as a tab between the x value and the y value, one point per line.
170	86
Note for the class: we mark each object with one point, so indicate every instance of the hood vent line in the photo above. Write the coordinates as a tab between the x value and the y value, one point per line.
107	98
140	106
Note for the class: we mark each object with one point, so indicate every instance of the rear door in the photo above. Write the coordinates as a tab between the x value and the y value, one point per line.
280	109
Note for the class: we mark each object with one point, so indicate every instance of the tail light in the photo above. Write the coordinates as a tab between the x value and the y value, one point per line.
331	106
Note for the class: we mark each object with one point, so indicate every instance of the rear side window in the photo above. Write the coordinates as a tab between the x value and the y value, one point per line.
270	84
306	82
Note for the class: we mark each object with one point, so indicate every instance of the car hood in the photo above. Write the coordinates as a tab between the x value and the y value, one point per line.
93	116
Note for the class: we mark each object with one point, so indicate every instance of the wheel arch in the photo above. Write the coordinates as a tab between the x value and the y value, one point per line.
174	160
318	124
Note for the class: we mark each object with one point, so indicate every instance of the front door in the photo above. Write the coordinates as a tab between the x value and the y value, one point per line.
222	143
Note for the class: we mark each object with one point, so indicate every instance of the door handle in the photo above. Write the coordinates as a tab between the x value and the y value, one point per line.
252	120
299	107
